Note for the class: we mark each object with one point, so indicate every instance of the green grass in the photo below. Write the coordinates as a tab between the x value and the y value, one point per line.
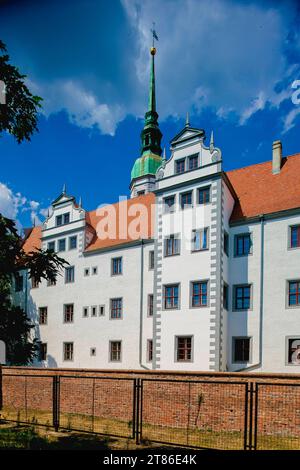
202	438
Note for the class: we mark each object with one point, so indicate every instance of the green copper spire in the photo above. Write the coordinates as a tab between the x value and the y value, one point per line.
150	159
151	135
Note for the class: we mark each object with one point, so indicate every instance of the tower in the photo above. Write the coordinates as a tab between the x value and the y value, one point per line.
145	167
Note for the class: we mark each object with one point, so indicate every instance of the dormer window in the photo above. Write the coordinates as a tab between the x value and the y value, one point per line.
63	219
180	166
193	162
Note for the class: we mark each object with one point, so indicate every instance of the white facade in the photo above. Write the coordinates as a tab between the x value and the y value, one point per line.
187	335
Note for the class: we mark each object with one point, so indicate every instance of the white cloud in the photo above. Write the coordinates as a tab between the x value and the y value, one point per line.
12	205
214	53
289	120
82	106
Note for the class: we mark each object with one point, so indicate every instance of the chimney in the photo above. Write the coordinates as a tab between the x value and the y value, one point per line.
277	157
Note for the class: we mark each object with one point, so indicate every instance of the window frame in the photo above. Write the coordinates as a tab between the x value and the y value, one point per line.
44	322
169	209
174	237
72	315
288	282
199	190
189	158
225	304
177	337
87	308
58	245
290	227
234	338
165	286
199	281
69	269
44	350
235	242
200	230
117	259
287	353
149	304
176	162
51	243
187	206
73	237
148	359
111	309
234	288
64	351
150	267
110	350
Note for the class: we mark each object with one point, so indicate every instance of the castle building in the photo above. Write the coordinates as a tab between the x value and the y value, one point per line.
199	270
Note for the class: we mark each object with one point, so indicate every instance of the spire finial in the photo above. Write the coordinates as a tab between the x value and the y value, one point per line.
212	144
80	203
164	154
187	120
64	189
48	213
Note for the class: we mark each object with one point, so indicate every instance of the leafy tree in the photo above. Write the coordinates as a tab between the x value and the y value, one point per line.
18	115
15	327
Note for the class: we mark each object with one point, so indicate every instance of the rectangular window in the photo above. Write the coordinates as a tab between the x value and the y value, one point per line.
34	283
101	310
116	308
149	350
85	312
59	220
242	297
116	266
226	243
169	204
18	282
172	245
200	239
180	166
69	274
68	313
183	348
171	296
186	200
150	305
93	311
204	195
151	260
94	270
66	218
86	271
295	236
225	296
43	315
241	350
51	282
294	351
51	246
294	293
43	352
62	244
72	243
242	244
115	351
199	294
68	351
193	162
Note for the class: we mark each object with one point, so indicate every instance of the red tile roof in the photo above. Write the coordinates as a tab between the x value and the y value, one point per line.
124	229
124	217
259	191
33	239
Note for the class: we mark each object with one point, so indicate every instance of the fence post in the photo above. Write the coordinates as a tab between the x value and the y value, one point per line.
55	401
138	411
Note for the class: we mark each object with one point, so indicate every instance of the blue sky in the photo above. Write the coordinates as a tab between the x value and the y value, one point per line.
230	64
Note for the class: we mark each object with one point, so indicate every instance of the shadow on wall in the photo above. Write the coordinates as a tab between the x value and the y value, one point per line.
33	314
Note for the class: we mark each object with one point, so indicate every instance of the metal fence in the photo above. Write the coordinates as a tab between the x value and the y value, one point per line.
208	414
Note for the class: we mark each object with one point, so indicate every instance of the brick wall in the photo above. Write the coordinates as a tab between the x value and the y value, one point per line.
189	403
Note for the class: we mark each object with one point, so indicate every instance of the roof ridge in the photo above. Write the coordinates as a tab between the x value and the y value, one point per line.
260	163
